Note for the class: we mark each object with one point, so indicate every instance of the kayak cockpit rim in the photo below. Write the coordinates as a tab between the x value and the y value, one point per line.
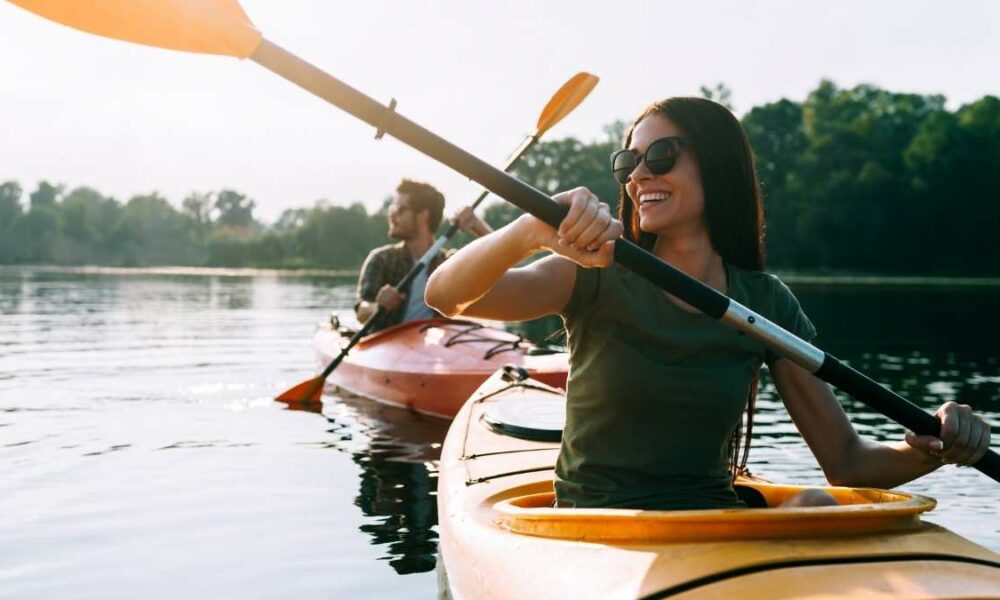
529	510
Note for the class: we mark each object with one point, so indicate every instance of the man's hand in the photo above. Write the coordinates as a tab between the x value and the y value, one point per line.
467	220
389	298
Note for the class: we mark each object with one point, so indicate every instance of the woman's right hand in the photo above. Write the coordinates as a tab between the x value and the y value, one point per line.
586	235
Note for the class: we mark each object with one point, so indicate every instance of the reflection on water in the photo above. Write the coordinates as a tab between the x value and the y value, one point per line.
137	427
397	451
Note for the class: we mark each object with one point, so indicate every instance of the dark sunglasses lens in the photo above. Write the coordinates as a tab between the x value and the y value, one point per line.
623	163
661	156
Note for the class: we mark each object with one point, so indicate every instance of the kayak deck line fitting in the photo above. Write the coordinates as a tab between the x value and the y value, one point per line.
500	452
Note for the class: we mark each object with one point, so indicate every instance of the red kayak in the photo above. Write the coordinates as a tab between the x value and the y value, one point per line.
432	366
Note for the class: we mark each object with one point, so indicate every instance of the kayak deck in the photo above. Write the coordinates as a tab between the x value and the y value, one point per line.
500	537
432	365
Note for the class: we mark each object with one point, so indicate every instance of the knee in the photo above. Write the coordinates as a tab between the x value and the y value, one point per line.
810	498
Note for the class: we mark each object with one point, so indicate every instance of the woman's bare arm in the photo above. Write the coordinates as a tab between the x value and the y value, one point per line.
848	459
480	279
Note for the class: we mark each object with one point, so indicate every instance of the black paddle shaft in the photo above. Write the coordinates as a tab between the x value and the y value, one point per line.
375	318
539	204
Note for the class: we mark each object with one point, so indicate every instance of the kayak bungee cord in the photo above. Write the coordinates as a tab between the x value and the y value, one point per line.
222	27
467	336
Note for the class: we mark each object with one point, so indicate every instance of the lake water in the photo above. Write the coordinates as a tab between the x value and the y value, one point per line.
143	455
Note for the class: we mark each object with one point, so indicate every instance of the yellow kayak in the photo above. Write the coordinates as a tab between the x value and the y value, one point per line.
500	537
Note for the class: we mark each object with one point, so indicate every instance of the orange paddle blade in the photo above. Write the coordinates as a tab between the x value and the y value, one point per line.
201	26
309	391
569	96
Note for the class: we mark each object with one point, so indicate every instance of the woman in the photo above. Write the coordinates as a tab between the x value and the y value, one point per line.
656	390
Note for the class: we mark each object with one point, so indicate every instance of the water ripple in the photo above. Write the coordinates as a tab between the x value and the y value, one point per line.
100	373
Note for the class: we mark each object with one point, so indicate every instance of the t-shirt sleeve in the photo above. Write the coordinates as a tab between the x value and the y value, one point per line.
585	290
788	313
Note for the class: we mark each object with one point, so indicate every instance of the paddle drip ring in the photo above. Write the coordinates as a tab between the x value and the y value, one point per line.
391	109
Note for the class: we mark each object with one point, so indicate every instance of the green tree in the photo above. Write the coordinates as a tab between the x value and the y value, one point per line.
10	202
151	232
559	165
951	161
853	190
10	210
35	234
235	209
291	219
230	247
335	236
86	219
778	139
720	93
46	196
198	207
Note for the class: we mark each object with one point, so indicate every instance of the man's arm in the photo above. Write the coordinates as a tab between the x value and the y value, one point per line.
370	281
467	220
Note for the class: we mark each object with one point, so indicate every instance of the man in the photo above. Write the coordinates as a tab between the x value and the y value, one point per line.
414	216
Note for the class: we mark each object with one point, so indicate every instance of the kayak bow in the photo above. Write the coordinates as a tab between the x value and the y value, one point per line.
501	537
432	366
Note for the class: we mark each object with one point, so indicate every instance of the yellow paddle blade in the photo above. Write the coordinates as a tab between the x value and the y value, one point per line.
201	26
569	96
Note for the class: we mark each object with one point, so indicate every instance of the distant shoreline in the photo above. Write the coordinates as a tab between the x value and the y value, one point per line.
889	281
184	271
794	279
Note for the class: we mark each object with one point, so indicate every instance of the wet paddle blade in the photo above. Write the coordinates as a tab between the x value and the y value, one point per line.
569	96
309	391
201	26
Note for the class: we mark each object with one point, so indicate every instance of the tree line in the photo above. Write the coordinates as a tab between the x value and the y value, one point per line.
861	180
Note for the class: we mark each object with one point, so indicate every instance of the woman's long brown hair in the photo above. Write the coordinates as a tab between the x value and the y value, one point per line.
734	214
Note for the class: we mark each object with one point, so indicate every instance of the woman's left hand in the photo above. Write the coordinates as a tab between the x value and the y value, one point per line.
965	436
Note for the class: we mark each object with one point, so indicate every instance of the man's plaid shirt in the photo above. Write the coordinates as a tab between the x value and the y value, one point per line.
387	265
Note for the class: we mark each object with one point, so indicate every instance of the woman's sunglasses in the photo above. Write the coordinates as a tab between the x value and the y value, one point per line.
660	157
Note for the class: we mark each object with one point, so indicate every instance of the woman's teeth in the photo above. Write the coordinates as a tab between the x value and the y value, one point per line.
653	197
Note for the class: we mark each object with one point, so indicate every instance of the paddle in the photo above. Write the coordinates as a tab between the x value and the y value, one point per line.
567	98
221	27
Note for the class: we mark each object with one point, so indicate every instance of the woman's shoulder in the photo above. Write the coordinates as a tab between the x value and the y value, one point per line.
601	289
768	295
757	282
760	290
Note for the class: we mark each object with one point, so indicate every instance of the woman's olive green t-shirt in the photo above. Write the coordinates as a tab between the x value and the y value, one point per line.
655	391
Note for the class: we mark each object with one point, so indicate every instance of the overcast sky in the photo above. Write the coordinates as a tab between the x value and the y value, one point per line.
125	119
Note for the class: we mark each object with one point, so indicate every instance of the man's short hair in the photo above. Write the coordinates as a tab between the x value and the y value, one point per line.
424	196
